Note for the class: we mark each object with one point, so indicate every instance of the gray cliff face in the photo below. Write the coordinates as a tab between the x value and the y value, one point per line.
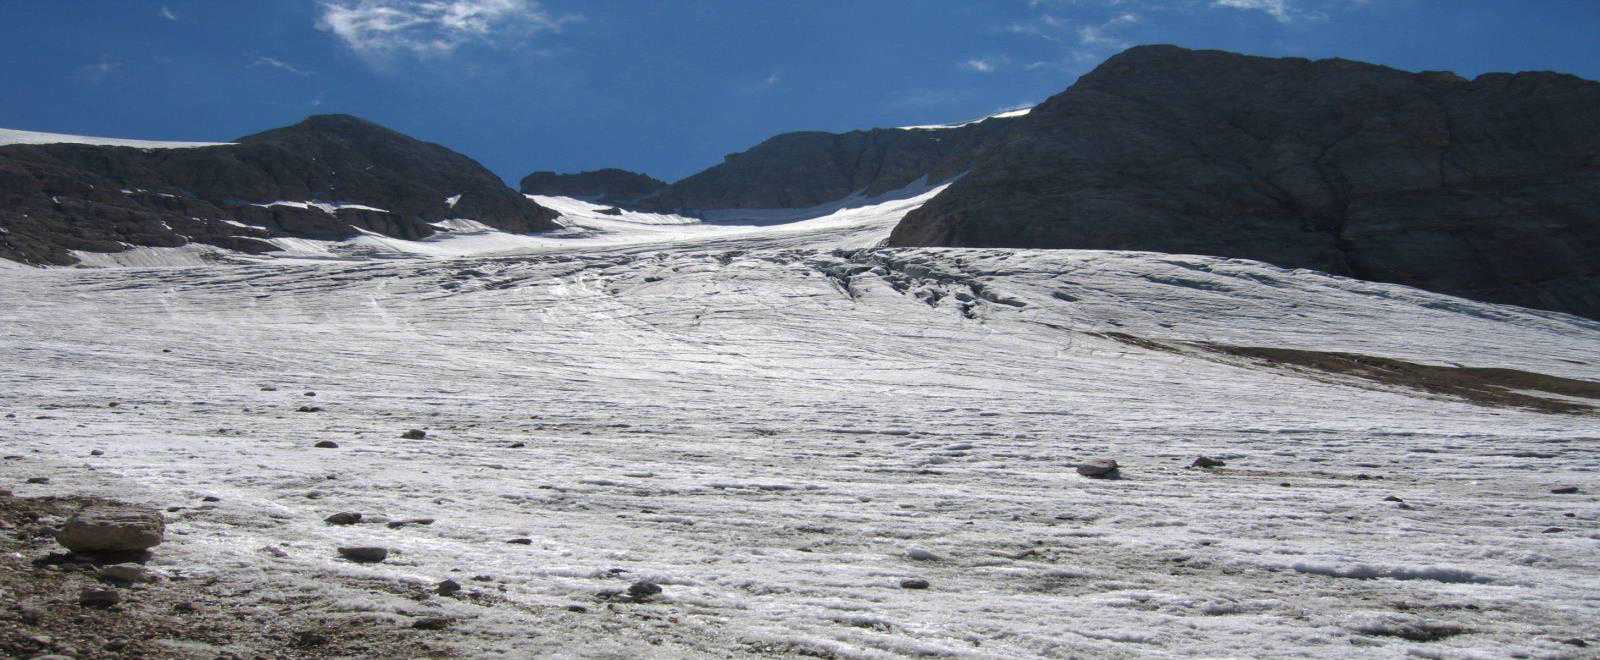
1487	189
606	186
799	170
61	197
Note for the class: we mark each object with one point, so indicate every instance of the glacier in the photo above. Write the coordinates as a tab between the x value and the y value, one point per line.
779	424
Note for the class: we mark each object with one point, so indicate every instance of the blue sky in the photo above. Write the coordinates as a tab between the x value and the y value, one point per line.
668	88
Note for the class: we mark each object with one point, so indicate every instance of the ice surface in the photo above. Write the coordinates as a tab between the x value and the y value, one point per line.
13	136
767	421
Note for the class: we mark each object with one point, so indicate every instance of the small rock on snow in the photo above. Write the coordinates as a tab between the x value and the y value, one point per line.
414	434
362	553
327	444
448	587
1206	462
1103	468
343	518
1565	490
914	583
920	554
643	589
432	623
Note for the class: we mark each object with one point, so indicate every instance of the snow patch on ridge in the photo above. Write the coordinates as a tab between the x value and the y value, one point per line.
9	136
1014	112
325	207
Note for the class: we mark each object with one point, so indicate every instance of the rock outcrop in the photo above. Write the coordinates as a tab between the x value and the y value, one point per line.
1486	188
607	186
331	176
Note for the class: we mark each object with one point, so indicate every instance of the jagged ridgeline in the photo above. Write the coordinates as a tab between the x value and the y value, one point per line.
329	177
1487	188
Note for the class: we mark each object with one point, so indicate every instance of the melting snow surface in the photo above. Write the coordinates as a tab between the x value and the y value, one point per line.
779	427
13	136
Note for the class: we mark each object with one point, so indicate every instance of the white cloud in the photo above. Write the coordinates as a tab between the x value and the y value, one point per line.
982	64
276	63
167	13
1284	11
433	27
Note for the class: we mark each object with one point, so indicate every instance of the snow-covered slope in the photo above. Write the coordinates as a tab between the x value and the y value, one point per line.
14	136
776	423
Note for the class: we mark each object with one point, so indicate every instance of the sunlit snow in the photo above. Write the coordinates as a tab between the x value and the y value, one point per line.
779	424
13	136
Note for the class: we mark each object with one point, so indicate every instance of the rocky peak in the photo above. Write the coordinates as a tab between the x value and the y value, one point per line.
610	185
1479	188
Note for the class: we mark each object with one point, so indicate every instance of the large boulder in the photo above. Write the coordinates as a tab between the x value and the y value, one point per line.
108	528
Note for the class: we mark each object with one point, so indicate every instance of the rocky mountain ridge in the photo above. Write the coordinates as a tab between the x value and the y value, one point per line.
1487	189
604	186
329	177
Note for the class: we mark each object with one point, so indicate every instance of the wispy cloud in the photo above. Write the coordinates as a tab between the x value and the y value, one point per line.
428	28
982	64
1281	10
275	63
167	13
99	71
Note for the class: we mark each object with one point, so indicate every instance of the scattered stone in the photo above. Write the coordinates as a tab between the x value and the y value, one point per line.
127	572
343	518
1553	530
39	480
643	589
577	608
518	445
113	404
397	524
268	388
1392	498
1565	490
326	444
414	434
311	393
96	452
99	597
274	551
308	409
1104	468
364	553
432	623
914	583
211	498
448	587
1575	642
186	607
112	528
30	615
1206	462
521	541
920	554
